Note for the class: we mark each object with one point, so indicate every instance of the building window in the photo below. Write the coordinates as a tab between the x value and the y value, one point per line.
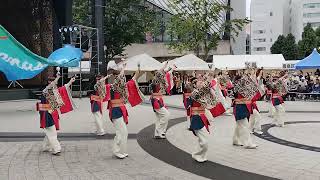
270	39
260	40
271	13
311	15
311	5
259	31
260	48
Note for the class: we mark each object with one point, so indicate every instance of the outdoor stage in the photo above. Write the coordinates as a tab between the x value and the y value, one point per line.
17	93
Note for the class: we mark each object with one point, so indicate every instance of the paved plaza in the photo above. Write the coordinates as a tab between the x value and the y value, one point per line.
290	153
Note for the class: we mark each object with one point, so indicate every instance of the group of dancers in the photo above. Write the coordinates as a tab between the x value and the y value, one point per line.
205	97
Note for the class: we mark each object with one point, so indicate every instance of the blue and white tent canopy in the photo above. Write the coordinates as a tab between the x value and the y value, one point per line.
310	62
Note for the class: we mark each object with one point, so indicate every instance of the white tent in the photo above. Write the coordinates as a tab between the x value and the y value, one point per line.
232	62
147	63
189	62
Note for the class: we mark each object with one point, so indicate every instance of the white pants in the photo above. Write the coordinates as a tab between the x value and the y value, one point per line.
254	121
188	122
120	140
98	121
242	134
50	141
161	123
272	110
201	154
279	112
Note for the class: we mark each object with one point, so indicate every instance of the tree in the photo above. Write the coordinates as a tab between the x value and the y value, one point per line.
286	46
308	42
276	48
290	48
317	31
197	24
127	22
80	12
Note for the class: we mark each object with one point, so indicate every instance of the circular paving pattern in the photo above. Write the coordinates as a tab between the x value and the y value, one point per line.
163	150
270	137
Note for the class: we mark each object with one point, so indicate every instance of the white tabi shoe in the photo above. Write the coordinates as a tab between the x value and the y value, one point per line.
56	153
237	144
101	134
254	146
160	137
125	154
119	156
47	149
199	160
258	132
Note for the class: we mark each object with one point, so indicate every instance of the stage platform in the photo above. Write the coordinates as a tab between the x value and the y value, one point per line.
17	94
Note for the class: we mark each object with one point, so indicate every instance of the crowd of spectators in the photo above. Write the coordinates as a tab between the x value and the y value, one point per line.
300	85
304	85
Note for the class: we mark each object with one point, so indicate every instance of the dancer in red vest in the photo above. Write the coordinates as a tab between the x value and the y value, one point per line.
255	117
202	98
187	90
244	90
54	101
279	89
118	94
97	100
161	84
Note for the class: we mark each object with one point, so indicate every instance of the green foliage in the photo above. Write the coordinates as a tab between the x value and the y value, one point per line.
126	22
308	42
80	12
286	46
276	48
197	24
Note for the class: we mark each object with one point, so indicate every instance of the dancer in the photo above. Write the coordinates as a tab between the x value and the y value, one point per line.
225	85
54	101
222	105
187	89
244	90
118	94
279	89
159	86
255	117
202	97
97	100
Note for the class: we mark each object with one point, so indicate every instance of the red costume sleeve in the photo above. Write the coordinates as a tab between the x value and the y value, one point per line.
107	98
169	80
67	107
134	97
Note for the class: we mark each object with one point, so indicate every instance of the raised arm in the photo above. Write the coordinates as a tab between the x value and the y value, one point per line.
137	74
165	66
72	80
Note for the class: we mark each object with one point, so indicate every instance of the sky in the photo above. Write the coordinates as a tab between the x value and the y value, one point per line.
248	8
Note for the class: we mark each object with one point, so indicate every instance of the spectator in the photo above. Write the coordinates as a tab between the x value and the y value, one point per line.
316	87
295	77
317	72
303	85
307	77
310	86
300	74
